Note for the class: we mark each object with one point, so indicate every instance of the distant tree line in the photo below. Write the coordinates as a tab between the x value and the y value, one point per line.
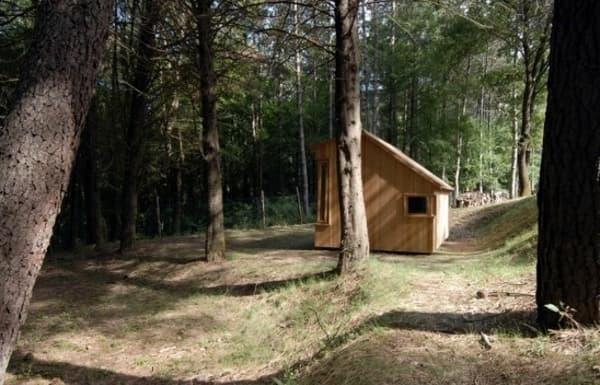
455	86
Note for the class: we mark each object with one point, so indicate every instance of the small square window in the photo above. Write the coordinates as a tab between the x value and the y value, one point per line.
417	205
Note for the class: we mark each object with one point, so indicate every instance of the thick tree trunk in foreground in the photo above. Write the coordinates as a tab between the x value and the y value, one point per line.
38	144
355	237
138	121
568	270
215	231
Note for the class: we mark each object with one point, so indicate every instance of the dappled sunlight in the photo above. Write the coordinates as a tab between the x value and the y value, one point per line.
279	312
484	229
422	357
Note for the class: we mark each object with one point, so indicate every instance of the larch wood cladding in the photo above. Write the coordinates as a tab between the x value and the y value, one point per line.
390	179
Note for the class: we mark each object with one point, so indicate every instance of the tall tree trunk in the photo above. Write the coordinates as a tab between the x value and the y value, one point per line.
534	48
331	102
374	64
176	157
481	117
74	194
138	121
568	269
406	120
514	180
412	117
300	106
96	233
354	237
460	134
38	144
391	129
365	78
258	158
524	146
215	231
459	145
117	122
179	198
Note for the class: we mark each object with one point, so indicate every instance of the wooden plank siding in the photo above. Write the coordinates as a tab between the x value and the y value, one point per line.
390	178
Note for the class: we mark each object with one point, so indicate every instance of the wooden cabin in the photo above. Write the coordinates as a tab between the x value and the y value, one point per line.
406	204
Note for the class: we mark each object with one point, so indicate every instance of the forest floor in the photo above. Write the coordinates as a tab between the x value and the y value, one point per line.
273	314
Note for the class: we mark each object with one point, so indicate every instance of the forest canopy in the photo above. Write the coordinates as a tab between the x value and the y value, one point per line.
446	82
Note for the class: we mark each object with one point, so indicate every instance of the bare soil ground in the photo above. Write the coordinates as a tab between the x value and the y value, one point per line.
272	314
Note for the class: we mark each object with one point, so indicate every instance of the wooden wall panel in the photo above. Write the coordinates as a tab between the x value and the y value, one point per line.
442	219
328	235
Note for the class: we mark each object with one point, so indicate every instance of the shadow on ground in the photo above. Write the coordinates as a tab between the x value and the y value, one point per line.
282	241
71	374
91	302
447	323
513	322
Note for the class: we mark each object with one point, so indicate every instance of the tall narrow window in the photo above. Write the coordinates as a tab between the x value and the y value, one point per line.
323	187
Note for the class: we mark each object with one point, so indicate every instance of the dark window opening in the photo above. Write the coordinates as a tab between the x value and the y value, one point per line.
323	203
417	205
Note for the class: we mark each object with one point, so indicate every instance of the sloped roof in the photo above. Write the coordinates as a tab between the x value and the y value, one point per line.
408	161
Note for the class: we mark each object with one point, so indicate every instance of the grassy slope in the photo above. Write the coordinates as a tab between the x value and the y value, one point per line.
157	316
434	336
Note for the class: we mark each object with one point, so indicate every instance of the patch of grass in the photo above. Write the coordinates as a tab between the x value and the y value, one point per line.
397	357
387	283
507	237
361	362
157	316
518	216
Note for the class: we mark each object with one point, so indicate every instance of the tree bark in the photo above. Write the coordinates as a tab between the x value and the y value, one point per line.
482	120
354	237
534	49
138	121
391	129
96	233
176	157
459	144
568	269
75	206
300	106
523	148
331	101
514	188
179	191
215	231
38	144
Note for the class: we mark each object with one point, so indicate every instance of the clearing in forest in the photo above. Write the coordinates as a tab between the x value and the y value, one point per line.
271	314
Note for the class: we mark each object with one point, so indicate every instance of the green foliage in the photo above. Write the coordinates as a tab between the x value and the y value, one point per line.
431	72
16	27
279	211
